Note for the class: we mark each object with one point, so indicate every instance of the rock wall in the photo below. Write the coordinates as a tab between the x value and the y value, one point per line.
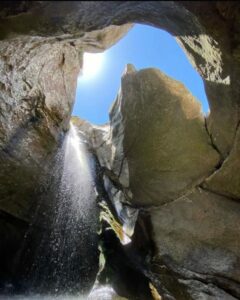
159	155
38	78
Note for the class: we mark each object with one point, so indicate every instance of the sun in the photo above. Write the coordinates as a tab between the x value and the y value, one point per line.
92	64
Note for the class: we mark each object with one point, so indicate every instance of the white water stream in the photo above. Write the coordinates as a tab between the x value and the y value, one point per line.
64	266
77	180
65	260
73	238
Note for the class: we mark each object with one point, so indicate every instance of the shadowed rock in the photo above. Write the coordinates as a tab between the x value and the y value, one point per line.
157	149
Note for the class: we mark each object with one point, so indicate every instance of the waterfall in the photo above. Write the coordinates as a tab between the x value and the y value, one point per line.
66	258
77	179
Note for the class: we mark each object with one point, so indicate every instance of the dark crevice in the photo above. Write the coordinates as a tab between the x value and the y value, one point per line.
63	60
102	193
121	167
13	219
119	267
236	131
115	181
130	263
203	184
214	145
104	142
222	159
205	188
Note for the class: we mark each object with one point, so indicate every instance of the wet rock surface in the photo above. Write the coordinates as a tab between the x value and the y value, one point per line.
158	154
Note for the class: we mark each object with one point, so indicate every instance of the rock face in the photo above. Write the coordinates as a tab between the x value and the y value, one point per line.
38	79
224	180
158	152
192	230
159	155
38	82
180	155
33	114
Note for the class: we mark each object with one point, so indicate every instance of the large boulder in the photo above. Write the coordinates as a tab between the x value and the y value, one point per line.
158	153
165	141
199	232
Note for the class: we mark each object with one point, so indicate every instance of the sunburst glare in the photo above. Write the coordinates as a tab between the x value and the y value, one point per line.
92	65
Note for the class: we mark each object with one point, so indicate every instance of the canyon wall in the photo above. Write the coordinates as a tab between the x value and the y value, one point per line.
161	160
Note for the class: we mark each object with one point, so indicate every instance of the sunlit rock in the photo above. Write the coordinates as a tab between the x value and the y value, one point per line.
163	158
163	137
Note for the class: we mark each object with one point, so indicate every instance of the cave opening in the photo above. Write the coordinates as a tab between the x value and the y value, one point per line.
164	174
143	46
96	90
98	85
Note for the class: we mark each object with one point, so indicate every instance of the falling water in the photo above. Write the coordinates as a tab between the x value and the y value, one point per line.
66	258
77	179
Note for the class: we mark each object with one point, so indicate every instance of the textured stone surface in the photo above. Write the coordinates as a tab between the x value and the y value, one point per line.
208	32
35	107
226	180
99	139
154	154
200	231
201	291
38	79
165	140
157	128
37	86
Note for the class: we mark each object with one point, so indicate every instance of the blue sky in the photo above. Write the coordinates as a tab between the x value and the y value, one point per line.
144	46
